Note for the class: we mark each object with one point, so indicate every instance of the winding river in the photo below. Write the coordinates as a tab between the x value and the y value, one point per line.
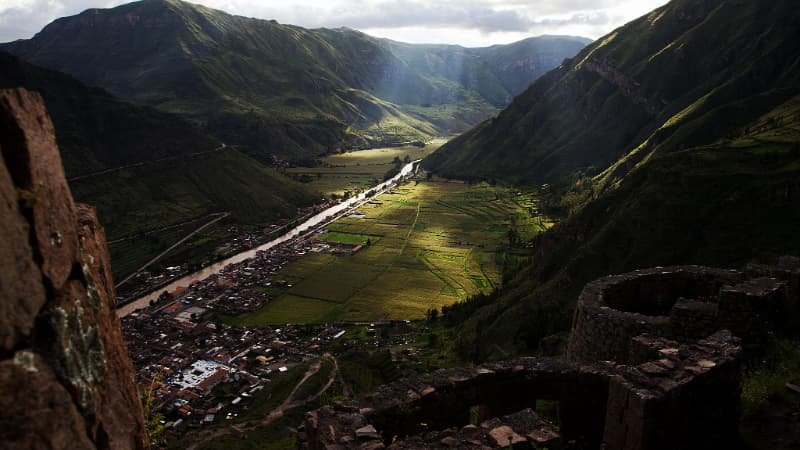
322	218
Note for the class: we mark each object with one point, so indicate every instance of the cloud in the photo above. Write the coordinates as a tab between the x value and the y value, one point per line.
488	21
21	19
406	13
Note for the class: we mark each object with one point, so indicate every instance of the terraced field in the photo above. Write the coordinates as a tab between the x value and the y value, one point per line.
358	170
433	243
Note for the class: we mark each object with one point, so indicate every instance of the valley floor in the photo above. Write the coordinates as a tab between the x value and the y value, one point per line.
427	244
350	172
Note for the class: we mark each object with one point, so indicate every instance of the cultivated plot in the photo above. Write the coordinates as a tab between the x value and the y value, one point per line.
430	243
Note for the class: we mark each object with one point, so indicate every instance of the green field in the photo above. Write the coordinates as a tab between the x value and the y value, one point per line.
347	238
358	170
352	171
433	243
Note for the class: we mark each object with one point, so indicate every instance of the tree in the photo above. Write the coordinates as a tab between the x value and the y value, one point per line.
153	419
513	236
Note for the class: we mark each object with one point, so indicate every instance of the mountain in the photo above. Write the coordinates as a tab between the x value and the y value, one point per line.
281	89
144	169
497	73
640	84
673	140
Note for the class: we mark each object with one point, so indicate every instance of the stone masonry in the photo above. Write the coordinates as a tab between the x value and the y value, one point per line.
684	303
650	365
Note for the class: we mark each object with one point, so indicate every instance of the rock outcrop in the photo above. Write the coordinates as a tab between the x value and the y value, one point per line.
66	377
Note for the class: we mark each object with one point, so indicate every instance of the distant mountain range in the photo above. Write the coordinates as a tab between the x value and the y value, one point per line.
285	90
187	104
675	139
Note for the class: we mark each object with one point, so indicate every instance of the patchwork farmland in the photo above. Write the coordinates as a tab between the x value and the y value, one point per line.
430	243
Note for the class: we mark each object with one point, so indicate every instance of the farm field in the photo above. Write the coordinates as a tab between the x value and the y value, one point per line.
358	170
433	243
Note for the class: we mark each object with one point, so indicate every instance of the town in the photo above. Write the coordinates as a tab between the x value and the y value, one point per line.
240	240
309	220
183	353
196	372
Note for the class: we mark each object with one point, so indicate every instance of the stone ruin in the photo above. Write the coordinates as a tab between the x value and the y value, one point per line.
653	362
683	303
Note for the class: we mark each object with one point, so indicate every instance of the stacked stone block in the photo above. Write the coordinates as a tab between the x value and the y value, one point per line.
653	362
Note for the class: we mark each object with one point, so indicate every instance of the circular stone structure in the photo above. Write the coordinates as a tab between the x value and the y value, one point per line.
682	303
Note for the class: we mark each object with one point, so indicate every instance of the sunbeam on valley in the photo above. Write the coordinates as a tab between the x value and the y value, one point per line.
367	224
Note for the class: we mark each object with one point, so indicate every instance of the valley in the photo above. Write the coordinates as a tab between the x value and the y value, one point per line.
278	89
452	238
342	174
421	246
264	235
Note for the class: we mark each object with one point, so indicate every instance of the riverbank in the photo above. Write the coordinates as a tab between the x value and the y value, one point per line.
319	219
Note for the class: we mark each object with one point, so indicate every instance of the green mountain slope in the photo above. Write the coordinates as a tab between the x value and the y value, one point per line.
97	131
171	171
711	178
497	73
688	57
276	88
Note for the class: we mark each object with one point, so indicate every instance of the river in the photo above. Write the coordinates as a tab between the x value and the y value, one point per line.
321	218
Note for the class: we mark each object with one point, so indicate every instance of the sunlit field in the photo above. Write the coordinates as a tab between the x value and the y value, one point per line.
432	244
358	170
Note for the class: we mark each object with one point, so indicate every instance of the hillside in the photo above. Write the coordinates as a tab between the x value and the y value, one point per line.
709	178
681	61
282	89
497	73
173	171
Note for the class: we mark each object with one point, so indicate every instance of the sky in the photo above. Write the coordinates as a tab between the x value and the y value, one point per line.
470	23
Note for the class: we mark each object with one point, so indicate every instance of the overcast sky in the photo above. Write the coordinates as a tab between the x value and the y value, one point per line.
465	22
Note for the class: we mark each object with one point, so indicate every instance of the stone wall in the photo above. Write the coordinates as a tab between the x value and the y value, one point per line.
651	364
682	396
64	369
685	303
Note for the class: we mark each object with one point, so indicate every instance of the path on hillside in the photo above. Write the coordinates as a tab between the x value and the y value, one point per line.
319	219
143	163
288	404
138	235
172	247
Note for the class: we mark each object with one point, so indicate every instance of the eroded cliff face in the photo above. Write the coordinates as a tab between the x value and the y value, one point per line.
67	381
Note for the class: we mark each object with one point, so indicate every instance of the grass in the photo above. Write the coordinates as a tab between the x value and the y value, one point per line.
287	309
433	243
267	399
769	409
139	200
313	385
358	170
346	238
766	380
